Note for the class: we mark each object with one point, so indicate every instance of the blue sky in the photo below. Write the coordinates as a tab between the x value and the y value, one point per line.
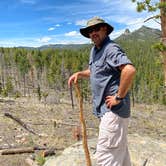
41	22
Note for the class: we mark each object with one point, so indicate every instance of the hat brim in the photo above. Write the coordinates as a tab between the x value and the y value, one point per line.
85	31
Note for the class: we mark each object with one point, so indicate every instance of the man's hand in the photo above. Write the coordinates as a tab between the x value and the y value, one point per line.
111	101
73	78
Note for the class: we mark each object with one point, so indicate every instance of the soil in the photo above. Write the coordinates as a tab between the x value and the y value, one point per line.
57	125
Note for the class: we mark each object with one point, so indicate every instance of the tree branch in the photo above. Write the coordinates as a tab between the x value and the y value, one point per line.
20	122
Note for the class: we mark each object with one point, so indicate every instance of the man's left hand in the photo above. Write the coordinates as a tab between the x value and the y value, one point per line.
111	101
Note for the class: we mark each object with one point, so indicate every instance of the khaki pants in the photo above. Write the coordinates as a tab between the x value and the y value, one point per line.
112	147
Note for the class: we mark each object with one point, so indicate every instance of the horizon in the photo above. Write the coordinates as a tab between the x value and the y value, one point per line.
66	44
34	23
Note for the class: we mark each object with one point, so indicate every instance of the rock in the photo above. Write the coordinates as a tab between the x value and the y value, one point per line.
146	148
74	155
127	32
142	149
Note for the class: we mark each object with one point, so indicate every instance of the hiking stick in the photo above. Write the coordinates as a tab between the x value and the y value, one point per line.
83	126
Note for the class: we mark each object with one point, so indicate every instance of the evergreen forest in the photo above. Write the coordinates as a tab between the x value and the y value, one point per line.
41	72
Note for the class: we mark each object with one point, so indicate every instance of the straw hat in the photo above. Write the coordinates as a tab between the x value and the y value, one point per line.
91	23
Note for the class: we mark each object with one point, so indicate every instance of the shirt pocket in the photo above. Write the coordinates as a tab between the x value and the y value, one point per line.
99	63
99	67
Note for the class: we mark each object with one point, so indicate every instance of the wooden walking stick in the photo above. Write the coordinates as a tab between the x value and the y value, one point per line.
83	126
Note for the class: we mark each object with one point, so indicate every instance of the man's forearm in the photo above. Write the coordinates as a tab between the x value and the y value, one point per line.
84	73
127	75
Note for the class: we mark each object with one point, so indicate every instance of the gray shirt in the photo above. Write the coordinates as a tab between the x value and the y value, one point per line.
105	77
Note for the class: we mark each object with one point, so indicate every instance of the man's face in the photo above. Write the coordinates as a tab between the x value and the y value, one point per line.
98	34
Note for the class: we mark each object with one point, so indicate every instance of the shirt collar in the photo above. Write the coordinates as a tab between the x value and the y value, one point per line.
105	41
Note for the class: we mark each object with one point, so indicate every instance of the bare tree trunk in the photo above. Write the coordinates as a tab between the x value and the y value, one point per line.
24	85
163	29
2	70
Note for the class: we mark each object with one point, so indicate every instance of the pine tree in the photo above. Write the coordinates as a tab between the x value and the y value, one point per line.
150	7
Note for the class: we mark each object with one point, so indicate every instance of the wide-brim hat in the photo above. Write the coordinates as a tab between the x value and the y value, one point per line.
91	23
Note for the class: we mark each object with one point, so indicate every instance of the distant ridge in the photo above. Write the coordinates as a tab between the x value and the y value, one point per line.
64	46
142	34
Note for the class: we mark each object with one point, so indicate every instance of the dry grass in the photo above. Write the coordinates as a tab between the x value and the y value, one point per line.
145	120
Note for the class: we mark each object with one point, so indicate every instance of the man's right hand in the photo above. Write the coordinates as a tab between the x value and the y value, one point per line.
73	78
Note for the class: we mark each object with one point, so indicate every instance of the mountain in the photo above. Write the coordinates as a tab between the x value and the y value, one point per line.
142	34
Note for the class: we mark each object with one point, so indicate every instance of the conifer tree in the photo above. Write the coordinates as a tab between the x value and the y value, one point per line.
149	6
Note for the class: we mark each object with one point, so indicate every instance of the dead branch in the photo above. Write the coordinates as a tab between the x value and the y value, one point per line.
145	162
10	151
49	152
20	122
153	17
17	151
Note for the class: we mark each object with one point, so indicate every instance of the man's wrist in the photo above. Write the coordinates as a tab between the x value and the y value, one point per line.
118	98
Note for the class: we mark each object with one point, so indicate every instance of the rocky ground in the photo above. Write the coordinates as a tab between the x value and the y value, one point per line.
55	125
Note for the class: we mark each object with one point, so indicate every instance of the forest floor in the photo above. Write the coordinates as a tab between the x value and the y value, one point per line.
56	123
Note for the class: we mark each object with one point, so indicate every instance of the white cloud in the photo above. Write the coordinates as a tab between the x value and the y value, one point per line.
29	1
120	4
51	29
128	20
72	34
44	39
81	22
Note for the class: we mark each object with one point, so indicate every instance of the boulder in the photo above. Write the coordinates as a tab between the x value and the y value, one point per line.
143	151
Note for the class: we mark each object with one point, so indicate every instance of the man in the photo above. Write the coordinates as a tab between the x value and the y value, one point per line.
111	74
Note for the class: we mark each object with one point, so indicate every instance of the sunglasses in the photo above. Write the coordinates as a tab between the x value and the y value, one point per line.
95	28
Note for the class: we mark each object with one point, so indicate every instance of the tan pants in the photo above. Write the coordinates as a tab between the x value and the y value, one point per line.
112	147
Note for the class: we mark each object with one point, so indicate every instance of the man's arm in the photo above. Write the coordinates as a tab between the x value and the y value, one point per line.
127	74
126	79
81	74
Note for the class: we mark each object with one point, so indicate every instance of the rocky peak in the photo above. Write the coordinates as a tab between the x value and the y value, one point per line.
127	31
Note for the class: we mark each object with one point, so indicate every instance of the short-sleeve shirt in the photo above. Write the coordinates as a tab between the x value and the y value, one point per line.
105	77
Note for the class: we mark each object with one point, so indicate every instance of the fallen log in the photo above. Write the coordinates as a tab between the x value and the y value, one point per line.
17	151
20	122
25	150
